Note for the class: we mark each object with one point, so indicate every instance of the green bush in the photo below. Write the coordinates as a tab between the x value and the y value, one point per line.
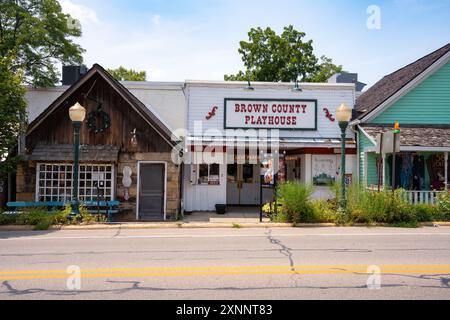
443	206
295	206
6	219
324	211
294	198
424	212
42	219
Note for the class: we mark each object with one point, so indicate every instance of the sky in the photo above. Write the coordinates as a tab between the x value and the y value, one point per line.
177	40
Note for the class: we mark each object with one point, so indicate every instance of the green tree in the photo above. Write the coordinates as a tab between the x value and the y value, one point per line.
38	34
123	74
325	71
12	113
286	57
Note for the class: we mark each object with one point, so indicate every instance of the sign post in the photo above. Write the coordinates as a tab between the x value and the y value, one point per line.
394	153
269	173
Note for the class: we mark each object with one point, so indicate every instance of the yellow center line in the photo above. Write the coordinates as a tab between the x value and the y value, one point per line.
222	271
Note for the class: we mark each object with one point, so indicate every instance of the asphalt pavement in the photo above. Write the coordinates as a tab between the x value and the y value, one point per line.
183	264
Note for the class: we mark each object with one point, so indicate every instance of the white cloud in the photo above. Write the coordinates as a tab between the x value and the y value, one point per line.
156	19
80	12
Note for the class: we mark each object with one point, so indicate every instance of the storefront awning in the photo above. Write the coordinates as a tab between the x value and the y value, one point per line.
64	152
423	136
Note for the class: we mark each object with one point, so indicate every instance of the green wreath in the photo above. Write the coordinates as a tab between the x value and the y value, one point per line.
92	121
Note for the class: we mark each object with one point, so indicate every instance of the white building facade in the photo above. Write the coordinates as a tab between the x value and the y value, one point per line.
229	128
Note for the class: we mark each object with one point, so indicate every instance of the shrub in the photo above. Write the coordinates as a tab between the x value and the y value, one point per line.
294	198
6	219
368	207
424	212
42	219
443	206
383	207
324	211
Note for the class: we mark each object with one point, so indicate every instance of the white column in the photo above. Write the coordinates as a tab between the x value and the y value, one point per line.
366	169
308	168
384	170
446	170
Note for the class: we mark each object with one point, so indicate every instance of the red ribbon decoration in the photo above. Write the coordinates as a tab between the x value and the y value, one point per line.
212	113
328	114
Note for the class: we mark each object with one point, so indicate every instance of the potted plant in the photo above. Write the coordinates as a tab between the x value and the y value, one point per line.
221	208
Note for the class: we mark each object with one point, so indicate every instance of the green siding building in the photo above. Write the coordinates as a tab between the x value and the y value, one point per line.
418	98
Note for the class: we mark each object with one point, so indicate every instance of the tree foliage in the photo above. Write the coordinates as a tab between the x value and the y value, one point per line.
38	34
12	112
270	57
123	74
325	71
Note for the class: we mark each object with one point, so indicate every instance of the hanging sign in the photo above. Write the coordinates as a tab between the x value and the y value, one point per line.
271	114
268	170
385	142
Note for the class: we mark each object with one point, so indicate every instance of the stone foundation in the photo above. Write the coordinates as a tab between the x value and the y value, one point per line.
26	184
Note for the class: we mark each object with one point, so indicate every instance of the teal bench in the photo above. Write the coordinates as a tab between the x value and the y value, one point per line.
108	208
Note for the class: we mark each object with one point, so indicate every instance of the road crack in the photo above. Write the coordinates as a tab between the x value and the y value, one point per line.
284	250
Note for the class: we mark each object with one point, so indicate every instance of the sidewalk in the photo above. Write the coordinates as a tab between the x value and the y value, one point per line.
202	225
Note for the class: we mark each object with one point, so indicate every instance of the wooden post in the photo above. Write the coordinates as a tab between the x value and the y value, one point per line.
393	163
381	176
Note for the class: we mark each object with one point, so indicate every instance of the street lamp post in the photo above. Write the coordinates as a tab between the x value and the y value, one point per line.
343	115
77	114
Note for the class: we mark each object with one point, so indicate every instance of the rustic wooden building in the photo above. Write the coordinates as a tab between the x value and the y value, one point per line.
121	139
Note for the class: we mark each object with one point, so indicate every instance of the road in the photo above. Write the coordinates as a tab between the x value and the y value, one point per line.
183	264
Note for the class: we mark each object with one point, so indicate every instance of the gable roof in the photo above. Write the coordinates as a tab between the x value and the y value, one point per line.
135	103
394	82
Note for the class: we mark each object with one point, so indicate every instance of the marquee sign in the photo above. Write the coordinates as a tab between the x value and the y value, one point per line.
283	114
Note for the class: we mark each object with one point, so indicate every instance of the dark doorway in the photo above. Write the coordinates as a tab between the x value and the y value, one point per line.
151	191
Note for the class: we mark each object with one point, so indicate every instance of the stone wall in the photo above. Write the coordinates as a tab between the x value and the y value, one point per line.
26	183
173	183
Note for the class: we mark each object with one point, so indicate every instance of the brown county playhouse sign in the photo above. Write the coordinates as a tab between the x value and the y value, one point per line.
271	114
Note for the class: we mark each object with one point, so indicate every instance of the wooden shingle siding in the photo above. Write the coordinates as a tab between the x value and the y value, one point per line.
428	103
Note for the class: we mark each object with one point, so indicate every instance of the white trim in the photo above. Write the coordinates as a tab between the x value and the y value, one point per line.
424	149
407	88
269	85
112	188
36	188
113	182
366	168
139	185
413	149
371	139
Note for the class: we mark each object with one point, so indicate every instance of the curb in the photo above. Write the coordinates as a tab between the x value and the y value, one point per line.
180	225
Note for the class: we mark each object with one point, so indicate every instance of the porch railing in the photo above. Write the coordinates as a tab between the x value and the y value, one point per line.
417	197
422	197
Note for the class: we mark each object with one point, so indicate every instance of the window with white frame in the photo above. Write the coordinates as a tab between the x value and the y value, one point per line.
54	182
209	174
